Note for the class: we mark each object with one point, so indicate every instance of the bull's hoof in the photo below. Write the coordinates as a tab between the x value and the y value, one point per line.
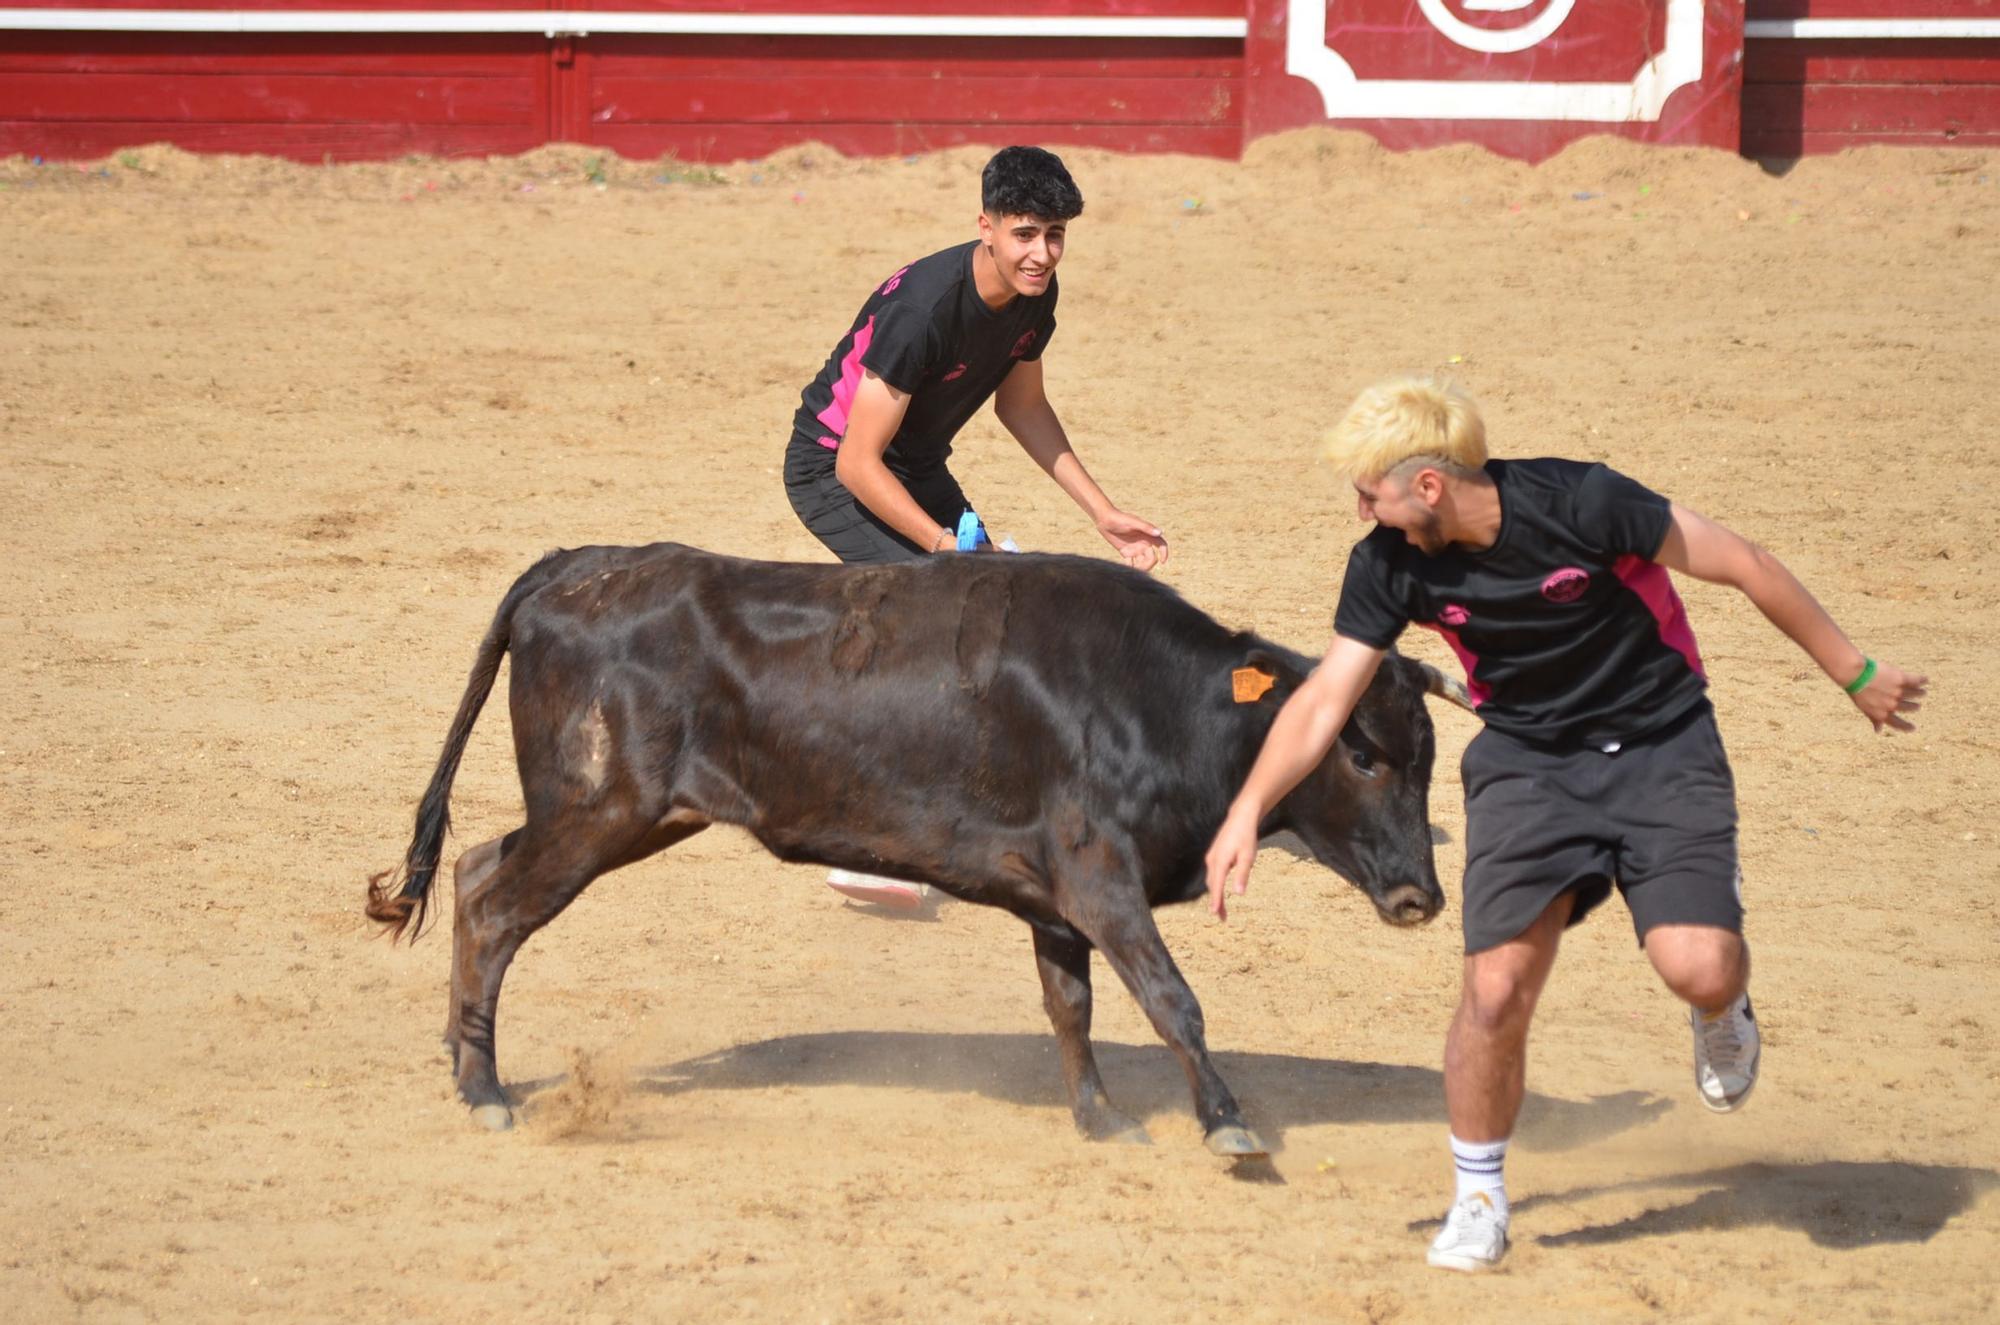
1235	1142
493	1117
1106	1124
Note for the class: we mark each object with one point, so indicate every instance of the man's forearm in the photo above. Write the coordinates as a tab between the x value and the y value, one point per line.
881	494
1074	479
1041	435
1299	738
1308	724
1790	606
1698	546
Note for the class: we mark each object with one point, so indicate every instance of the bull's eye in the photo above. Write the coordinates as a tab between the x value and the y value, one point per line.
1364	763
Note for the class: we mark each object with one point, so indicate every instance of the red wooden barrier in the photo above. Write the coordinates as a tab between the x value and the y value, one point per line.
1867	9
1522	77
1817	80
85	95
719	98
697	95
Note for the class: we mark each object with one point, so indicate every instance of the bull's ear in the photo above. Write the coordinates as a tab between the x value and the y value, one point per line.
1262	678
1444	687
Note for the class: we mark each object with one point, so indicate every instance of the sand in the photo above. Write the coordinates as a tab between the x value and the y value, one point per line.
276	438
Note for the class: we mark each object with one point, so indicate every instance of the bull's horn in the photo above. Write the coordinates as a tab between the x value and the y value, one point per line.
1437	683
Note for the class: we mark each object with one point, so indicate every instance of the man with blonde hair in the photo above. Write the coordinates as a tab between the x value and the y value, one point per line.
1600	763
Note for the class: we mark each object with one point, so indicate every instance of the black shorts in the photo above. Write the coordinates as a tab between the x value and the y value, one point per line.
850	530
1656	816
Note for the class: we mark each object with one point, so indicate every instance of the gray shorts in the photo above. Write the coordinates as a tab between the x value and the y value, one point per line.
850	530
1656	817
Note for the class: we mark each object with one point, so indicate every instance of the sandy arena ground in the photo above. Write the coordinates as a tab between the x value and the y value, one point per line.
277	438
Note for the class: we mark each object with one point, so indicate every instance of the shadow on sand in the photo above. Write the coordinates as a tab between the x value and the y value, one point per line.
1279	1091
1837	1204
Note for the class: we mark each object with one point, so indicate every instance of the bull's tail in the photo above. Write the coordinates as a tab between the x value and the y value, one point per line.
409	904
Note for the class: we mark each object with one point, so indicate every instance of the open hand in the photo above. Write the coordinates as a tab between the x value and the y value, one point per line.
1890	694
1138	541
1230	857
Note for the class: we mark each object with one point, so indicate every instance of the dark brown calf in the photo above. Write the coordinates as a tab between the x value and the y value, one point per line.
1050	735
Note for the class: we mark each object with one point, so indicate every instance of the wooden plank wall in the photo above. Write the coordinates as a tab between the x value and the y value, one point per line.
84	95
702	98
719	98
722	98
1803	96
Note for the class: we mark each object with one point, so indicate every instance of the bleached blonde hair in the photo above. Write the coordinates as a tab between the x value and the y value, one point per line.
1408	418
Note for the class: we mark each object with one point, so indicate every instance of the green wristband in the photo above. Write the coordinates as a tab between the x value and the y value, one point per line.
1860	683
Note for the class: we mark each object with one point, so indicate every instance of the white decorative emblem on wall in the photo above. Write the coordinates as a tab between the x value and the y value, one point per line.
1349	97
1496	41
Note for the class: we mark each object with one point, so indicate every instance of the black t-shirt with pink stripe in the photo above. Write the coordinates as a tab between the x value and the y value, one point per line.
925	331
1569	631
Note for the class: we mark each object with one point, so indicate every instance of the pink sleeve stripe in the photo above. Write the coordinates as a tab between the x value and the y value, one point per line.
834	416
1655	588
1476	690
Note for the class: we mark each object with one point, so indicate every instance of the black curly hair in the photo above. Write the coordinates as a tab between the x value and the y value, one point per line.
1028	181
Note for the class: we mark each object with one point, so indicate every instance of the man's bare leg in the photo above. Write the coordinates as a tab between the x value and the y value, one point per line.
1485	1077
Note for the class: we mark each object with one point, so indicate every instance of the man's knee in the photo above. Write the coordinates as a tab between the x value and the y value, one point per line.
1703	965
1499	998
1503	983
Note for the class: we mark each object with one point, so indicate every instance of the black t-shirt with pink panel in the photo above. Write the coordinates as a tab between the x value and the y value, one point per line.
1570	633
926	332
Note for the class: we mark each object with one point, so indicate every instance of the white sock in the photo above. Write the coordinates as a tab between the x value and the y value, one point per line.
1479	1170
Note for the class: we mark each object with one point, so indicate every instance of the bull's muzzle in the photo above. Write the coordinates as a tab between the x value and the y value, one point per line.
1409	904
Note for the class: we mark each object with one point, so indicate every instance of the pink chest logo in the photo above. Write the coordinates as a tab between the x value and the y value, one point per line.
955	373
1021	345
1454	616
1566	585
889	286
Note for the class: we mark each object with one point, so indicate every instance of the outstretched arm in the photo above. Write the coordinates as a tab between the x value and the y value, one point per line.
1024	410
1304	730
1698	546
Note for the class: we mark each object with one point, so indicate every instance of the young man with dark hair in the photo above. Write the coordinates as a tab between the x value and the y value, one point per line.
865	468
1600	764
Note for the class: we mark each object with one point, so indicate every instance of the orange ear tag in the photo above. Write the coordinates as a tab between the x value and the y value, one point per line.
1249	685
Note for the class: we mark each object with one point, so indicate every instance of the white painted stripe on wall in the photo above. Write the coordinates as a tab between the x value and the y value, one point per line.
1822	28
583	22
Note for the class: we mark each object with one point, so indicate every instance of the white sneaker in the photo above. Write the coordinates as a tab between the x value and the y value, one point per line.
895	894
1474	1236
1726	1050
